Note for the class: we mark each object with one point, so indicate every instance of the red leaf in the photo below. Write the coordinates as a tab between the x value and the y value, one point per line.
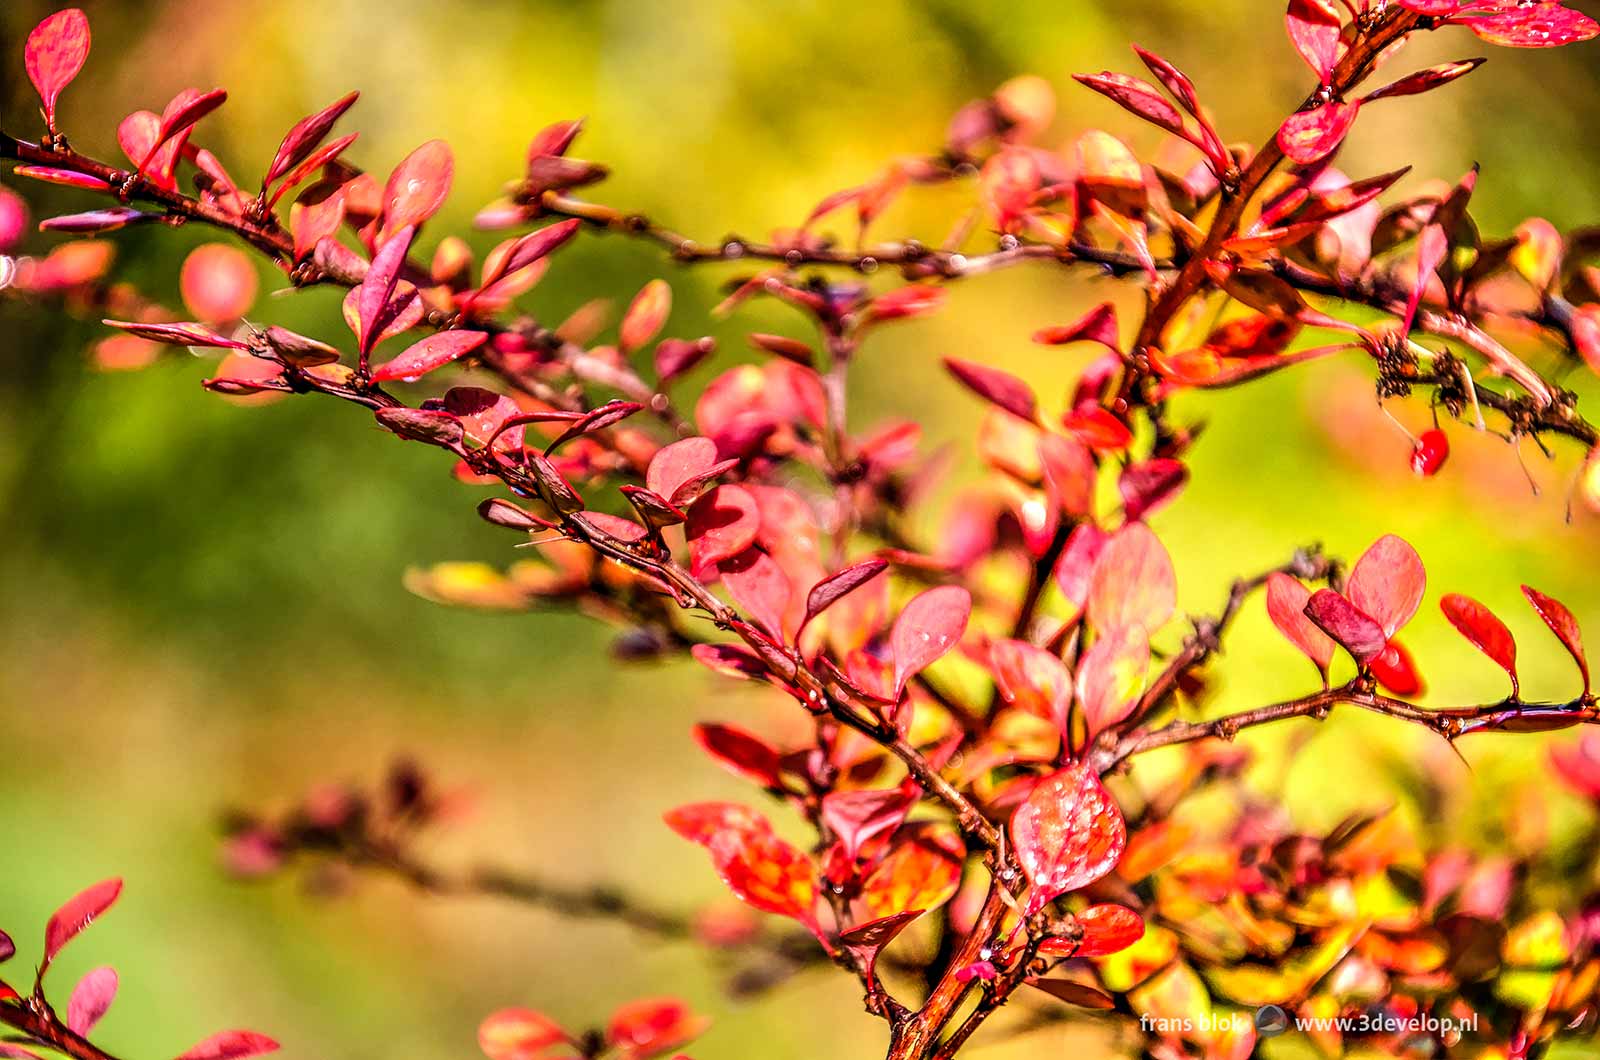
1564	625
378	287
1076	569
186	108
1133	585
231	1045
55	52
680	463
1111	678
1032	679
645	316
76	915
931	624
912	300
1387	583
1354	630
1312	135
185	334
1150	485
758	585
417	187
518	1034
1426	80
1136	96
876	934
1098	428
835	587
651	1026
305	136
90	1000
922	871
1286	606
1000	388
1532	25
597	419
740	753
1098	325
722	524
857	817
766	872
524	253
1107	928
94	222
315	161
1486	632
422	425
1314	31
701	822
8	949
435	351
677	356
1067	834
1073	993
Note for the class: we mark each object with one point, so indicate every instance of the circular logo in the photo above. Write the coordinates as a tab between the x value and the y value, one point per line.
1271	1021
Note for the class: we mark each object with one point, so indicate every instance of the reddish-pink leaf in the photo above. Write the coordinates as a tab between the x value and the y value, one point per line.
305	136
758	585
1532	25
1133	585
741	753
676	356
55	52
315	161
856	817
93	222
1075	572
1098	325
645	316
1312	135
1106	929
185	334
76	915
378	287
1564	625
700	822
1000	388
1353	629
90	1000
1136	96
8	949
722	524
876	934
1426	80
1387	583
231	1045
423	425
931	624
1098	429
679	463
1032	679
417	187
651	1026
1286	606
1111	678
1067	834
1150	485
518	1034
1486	632
766	872
1314	31
835	587
186	108
69	178
434	351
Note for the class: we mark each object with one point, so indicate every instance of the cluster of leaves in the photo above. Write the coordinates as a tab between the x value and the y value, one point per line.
36	1020
975	696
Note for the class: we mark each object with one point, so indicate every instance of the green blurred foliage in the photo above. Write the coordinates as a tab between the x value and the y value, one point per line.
202	603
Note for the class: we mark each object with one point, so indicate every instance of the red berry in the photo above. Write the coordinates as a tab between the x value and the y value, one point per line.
1431	451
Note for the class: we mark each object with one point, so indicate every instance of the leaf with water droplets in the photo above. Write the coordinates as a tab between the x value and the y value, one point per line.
1532	25
1067	834
931	624
417	188
766	872
76	915
434	351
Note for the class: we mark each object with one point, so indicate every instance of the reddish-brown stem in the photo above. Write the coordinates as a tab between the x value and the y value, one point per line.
38	1022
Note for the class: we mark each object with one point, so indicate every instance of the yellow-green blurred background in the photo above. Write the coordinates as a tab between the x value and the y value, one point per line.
200	604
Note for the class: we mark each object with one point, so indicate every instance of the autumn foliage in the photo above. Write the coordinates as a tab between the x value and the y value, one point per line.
966	817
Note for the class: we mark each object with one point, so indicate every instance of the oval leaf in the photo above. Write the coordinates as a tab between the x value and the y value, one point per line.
931	624
1486	632
1067	834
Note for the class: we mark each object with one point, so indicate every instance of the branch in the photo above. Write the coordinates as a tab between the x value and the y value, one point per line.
34	1017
